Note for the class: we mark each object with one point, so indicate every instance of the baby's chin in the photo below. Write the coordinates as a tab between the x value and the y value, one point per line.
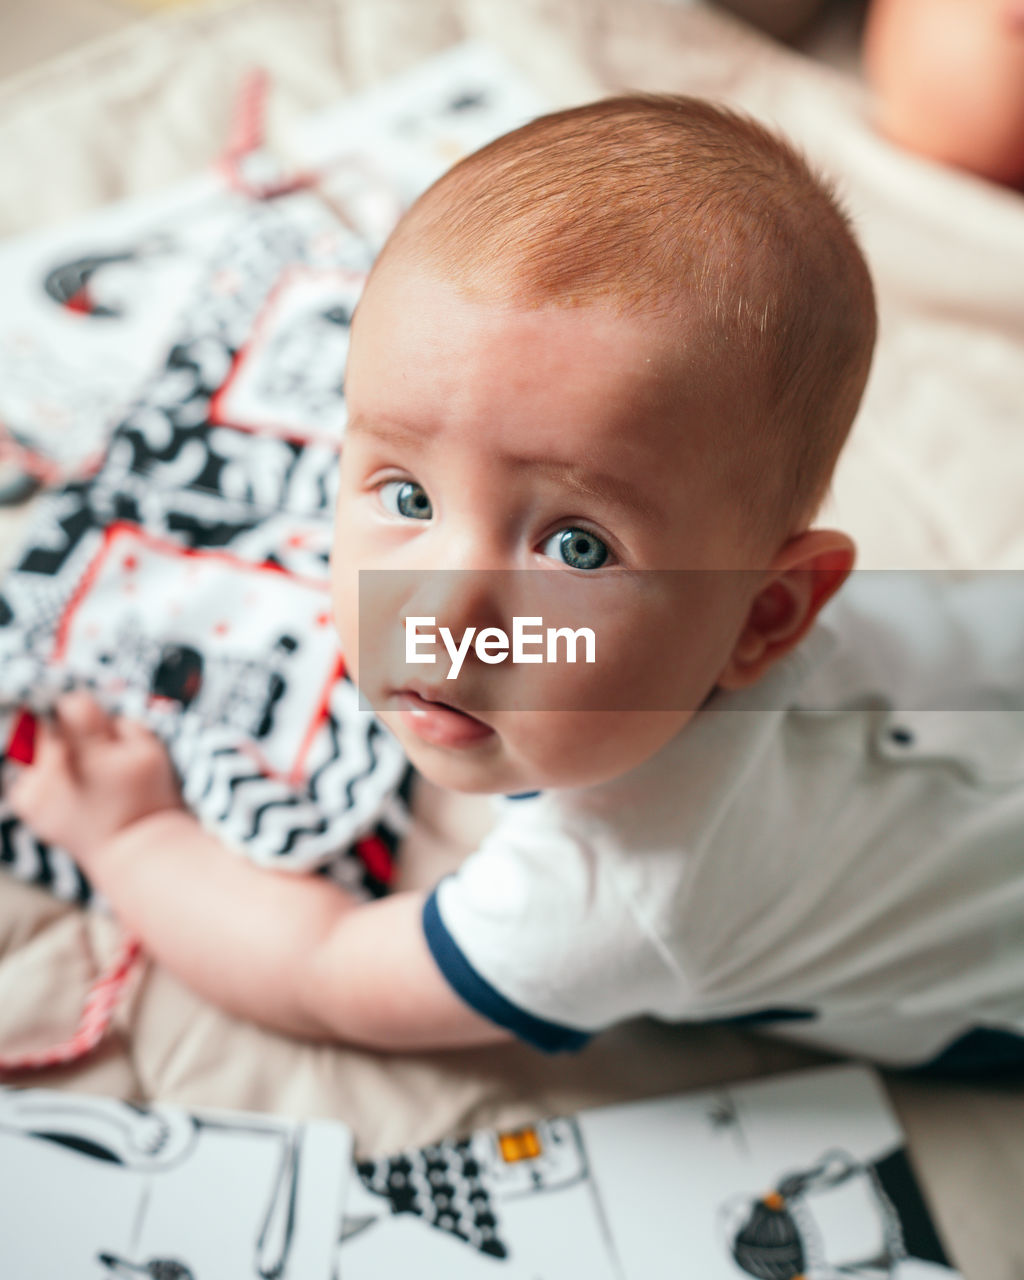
490	767
478	776
481	768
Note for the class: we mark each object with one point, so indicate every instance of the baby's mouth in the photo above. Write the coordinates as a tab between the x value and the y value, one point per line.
438	722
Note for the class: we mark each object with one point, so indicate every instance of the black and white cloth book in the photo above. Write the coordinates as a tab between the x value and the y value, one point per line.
172	375
798	1177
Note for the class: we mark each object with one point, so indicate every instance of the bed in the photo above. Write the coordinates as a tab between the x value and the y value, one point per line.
930	479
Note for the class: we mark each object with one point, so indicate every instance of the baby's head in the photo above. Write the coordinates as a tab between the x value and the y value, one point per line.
626	337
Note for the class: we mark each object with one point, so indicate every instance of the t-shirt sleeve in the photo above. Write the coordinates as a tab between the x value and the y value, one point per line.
532	933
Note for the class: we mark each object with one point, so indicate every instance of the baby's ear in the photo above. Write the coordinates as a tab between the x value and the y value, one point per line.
802	578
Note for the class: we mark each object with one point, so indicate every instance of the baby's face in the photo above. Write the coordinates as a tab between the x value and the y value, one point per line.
483	437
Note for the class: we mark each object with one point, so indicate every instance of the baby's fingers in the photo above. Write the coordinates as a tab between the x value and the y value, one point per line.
130	730
81	716
52	771
54	753
137	761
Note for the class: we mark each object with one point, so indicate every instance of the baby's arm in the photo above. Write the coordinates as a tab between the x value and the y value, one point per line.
292	952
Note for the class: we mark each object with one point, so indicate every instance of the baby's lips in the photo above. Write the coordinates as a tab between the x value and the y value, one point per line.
21	745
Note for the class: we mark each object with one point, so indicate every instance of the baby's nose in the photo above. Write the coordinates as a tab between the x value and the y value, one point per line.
462	598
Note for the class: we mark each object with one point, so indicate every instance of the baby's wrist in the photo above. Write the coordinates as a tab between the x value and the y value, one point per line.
103	858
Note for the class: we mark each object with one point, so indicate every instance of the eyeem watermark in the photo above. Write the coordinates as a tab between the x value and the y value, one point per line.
649	640
530	641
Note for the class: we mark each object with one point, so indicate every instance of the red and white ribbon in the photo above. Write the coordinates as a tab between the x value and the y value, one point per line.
94	1023
247	137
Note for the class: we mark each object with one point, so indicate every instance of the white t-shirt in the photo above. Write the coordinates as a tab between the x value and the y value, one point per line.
837	851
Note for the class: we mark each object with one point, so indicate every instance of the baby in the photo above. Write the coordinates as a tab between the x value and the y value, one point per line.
623	345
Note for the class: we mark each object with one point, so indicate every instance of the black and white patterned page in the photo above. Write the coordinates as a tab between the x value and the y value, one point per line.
95	1186
232	659
802	1177
89	310
248	407
519	1203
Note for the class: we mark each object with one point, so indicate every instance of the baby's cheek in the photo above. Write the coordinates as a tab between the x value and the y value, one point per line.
345	614
345	562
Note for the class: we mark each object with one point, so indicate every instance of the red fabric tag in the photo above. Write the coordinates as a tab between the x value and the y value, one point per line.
21	746
376	858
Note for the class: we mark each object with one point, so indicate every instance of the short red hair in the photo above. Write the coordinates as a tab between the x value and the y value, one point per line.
648	202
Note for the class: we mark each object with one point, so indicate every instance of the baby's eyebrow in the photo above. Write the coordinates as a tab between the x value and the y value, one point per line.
389	429
602	485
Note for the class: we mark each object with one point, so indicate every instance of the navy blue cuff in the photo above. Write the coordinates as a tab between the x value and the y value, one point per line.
982	1051
478	993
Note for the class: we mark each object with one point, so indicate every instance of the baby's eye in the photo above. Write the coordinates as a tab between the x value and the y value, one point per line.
406	498
578	548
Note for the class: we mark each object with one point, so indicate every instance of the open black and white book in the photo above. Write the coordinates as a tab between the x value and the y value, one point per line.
799	1177
93	1187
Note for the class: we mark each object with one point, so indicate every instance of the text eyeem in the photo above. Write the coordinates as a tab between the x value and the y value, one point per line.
530	641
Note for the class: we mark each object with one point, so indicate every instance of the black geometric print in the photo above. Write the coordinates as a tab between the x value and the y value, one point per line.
444	1185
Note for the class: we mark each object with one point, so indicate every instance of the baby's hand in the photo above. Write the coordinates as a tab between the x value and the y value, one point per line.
92	775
